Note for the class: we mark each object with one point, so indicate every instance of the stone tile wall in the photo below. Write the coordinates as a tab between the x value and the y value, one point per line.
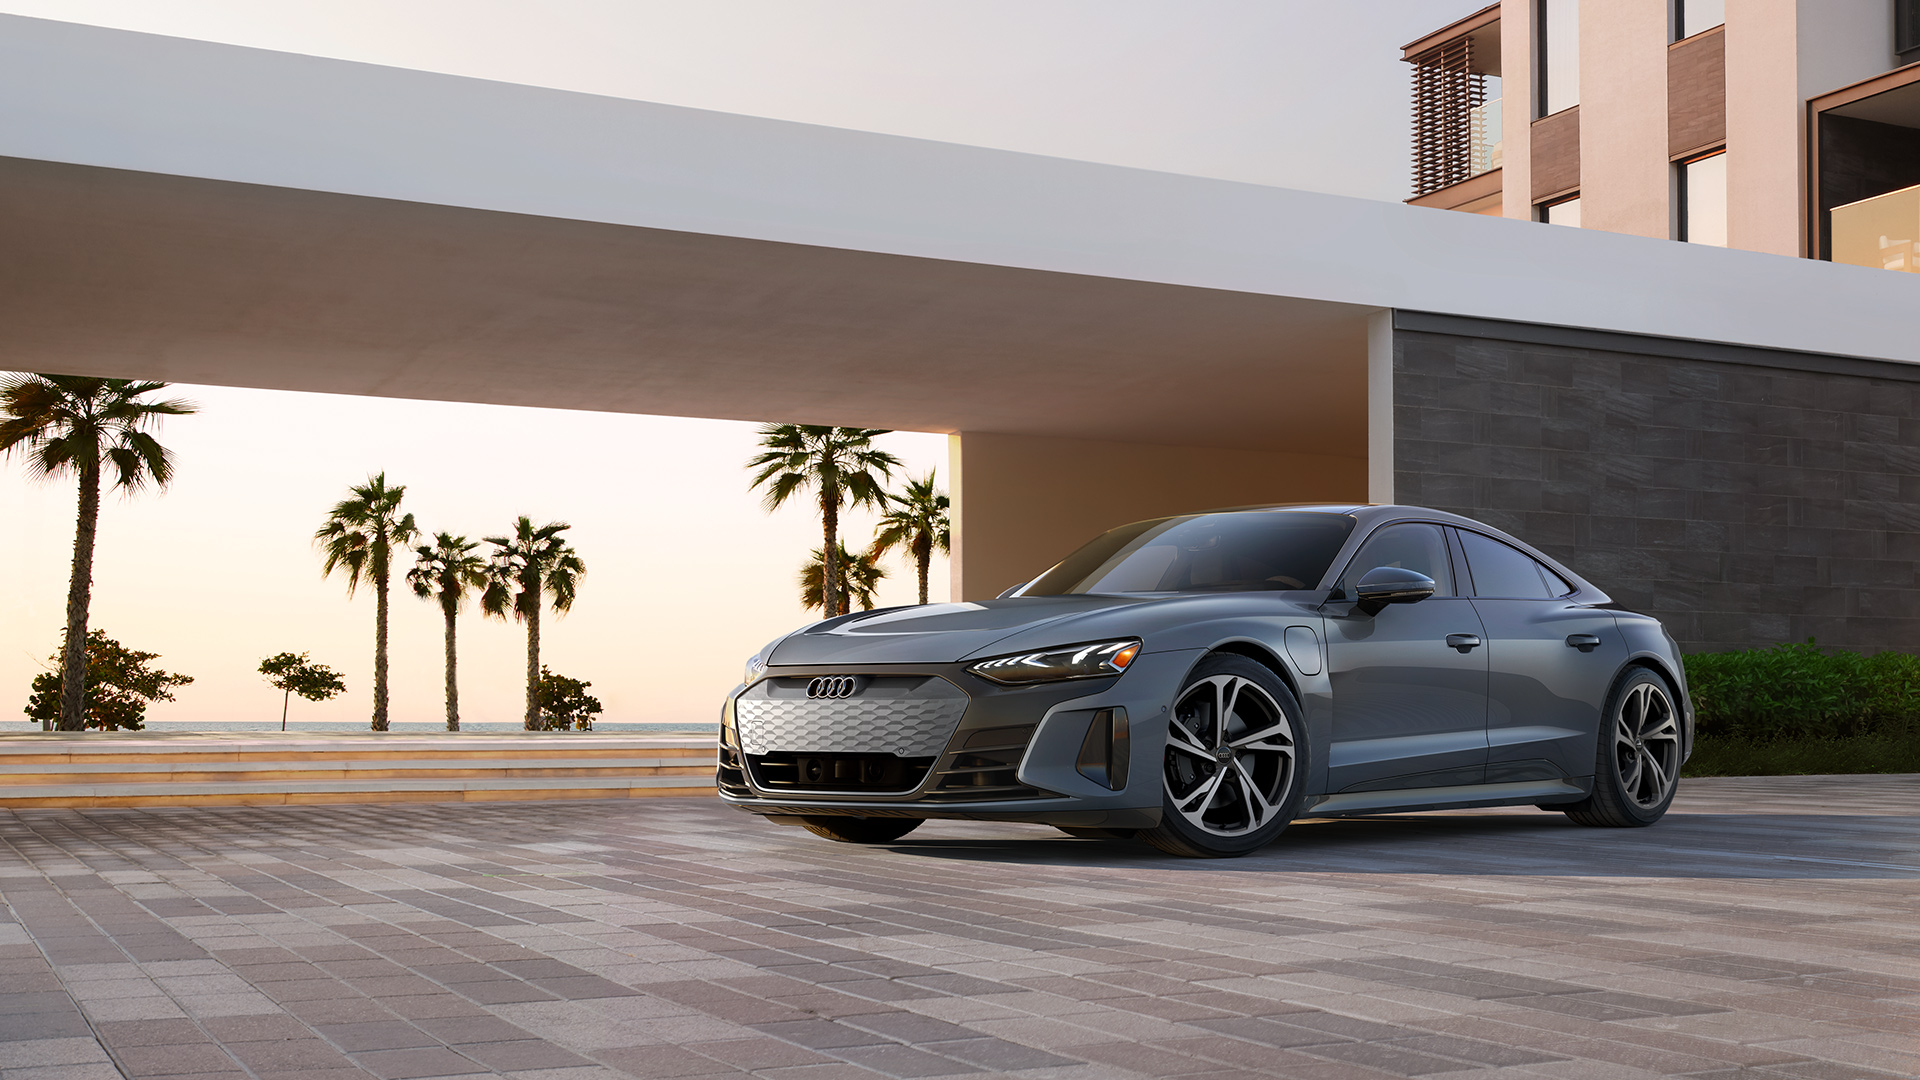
1745	497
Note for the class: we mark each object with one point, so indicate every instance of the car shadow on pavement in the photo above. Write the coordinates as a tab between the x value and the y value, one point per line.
1504	844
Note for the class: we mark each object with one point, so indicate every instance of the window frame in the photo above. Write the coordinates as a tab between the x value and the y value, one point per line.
1542	70
1540	209
1679	28
1547	574
1682	199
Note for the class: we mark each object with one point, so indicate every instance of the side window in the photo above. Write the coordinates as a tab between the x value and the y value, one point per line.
1556	584
1501	571
1420	548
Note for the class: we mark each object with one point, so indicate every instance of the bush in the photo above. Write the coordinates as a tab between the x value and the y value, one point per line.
1800	691
120	686
565	704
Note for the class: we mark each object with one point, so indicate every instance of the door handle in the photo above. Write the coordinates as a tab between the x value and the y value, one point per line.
1586	643
1464	642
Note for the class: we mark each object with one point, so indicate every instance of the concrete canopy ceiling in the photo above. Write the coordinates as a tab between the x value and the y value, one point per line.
193	280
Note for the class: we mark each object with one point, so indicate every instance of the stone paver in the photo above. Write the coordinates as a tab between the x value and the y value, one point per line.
1769	929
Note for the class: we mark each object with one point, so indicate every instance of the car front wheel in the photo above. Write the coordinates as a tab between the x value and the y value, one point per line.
1231	774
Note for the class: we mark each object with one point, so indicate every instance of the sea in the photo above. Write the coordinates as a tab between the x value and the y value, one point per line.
409	727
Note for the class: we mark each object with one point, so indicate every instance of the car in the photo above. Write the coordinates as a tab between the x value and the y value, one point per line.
1201	681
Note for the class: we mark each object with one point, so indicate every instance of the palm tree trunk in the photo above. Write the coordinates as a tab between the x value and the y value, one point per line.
73	658
923	557
380	652
453	684
286	698
532	722
829	561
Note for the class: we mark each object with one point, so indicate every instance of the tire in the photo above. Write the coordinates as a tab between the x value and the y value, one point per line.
861	830
1636	768
1228	788
1080	833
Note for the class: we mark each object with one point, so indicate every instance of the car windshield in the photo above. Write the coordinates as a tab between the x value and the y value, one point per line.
1243	551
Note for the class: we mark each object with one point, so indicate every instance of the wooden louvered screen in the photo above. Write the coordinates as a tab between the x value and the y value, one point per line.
1446	91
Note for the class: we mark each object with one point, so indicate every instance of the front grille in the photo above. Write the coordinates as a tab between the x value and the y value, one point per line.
866	774
906	716
984	767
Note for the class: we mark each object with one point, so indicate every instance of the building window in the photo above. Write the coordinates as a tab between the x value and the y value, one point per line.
1692	17
1558	52
1560	212
1701	199
1906	30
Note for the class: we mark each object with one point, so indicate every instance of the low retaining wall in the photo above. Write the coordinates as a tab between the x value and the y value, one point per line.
135	768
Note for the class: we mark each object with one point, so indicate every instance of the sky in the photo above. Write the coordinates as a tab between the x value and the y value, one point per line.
687	576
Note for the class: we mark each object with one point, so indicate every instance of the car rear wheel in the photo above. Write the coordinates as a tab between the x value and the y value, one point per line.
1231	774
1637	766
860	830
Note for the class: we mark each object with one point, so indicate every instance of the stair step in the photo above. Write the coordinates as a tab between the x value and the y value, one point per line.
179	768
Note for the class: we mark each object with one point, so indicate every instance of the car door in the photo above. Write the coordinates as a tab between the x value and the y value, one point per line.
1409	681
1551	662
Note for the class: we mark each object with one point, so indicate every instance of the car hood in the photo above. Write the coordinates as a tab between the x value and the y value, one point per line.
940	633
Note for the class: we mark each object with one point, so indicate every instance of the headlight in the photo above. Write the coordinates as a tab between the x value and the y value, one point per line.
756	667
1073	662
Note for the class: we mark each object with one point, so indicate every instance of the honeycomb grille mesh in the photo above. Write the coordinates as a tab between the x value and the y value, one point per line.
917	724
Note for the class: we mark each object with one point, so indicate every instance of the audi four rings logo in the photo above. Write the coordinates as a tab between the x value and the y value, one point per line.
833	686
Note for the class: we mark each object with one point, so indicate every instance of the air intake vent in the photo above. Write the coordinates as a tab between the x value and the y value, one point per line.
983	767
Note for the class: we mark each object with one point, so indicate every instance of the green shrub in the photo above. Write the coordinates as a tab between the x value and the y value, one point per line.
1800	691
1795	757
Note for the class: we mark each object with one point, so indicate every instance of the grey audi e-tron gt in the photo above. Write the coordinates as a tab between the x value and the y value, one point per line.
1201	681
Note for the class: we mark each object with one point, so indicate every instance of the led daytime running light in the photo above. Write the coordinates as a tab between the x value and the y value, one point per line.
1097	660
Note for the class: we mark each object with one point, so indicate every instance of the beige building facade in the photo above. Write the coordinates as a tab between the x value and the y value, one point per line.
1790	127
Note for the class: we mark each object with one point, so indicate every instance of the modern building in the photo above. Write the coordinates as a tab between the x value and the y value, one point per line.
1784	126
1727	438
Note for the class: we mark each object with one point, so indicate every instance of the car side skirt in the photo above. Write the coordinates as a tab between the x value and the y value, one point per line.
1410	800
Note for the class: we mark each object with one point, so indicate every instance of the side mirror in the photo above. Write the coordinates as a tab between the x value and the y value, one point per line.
1385	585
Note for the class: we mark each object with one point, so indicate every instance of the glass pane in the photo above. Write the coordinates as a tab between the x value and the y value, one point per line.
1420	548
1483	132
1705	188
1499	570
1238	552
1698	15
1559	55
1562	213
1883	231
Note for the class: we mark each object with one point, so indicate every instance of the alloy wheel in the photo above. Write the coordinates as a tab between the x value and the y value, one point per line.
1646	745
1230	756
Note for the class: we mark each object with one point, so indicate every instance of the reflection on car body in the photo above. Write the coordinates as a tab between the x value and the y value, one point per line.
1203	680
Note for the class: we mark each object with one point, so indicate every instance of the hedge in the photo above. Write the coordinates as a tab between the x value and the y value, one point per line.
1801	691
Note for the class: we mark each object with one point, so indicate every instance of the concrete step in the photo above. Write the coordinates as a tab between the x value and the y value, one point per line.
48	769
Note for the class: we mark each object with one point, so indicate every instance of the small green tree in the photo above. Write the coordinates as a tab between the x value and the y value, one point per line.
293	673
565	704
120	686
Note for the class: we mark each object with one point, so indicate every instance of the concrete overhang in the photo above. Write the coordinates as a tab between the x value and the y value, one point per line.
214	214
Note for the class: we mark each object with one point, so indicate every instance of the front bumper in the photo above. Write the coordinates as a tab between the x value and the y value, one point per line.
1012	755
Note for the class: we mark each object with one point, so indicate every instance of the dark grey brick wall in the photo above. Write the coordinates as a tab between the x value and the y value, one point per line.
1744	503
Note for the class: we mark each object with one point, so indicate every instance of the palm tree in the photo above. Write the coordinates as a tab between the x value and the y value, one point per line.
359	539
839	463
858	579
531	565
72	423
445	571
918	521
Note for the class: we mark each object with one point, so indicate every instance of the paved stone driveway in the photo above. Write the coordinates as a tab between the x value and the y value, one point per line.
1768	929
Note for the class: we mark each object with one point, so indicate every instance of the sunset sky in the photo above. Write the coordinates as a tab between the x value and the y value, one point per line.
687	575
